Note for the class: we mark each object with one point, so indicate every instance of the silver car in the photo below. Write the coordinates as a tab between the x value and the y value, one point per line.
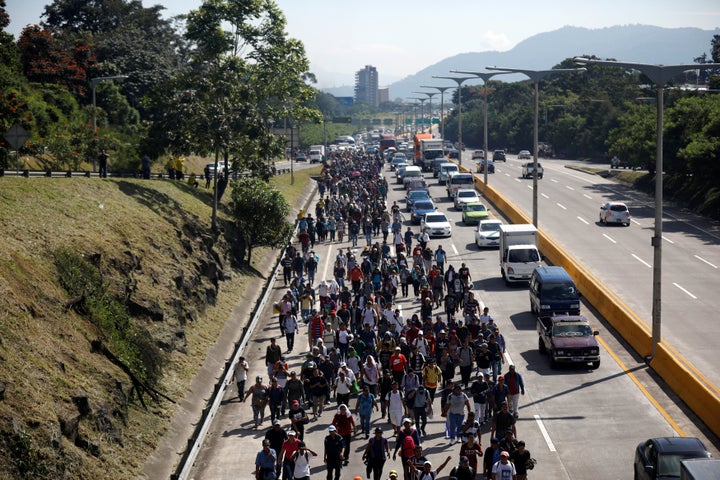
615	212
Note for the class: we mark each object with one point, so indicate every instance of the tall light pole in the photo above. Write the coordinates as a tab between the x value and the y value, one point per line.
485	76
422	111
93	83
536	76
429	95
459	81
660	75
442	106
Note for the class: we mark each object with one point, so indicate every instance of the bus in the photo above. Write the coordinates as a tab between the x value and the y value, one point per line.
387	141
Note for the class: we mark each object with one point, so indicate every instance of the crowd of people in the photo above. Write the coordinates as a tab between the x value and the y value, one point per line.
394	371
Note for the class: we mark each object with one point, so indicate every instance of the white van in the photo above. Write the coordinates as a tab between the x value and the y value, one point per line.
411	172
457	181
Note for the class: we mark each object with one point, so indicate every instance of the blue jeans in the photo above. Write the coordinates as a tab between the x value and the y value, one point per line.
365	423
456	421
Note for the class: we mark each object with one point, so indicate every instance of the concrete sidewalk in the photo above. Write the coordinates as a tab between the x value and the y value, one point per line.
163	461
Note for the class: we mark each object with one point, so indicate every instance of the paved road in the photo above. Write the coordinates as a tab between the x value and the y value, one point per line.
578	423
568	209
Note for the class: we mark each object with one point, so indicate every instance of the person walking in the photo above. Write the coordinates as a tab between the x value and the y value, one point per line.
504	468
334	453
277	437
259	394
363	407
427	473
454	409
302	462
421	402
289	447
241	371
265	461
376	454
516	387
298	419
345	425
291	327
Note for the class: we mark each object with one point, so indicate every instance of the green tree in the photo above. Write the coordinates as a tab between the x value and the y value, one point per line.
634	137
260	213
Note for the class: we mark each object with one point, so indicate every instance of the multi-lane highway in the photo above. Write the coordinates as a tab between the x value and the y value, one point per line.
577	422
621	257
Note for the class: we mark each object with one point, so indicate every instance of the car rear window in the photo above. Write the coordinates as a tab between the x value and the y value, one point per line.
435	218
618	208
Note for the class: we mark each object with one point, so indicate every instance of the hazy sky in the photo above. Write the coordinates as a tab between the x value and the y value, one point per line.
400	37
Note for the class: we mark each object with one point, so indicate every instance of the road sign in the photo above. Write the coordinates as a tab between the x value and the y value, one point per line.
16	136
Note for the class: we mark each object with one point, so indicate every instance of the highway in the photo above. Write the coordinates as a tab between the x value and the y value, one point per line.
577	422
622	257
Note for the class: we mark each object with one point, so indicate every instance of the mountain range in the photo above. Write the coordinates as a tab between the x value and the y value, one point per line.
627	43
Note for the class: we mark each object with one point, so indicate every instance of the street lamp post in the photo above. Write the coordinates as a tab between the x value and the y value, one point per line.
429	95
536	76
93	83
442	106
485	76
422	111
459	81
660	75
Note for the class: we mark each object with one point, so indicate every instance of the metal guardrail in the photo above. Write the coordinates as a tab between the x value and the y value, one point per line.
27	173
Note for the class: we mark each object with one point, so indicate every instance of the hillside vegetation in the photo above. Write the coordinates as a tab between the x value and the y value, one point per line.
111	293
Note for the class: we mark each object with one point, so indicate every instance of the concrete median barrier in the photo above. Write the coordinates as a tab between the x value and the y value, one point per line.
689	384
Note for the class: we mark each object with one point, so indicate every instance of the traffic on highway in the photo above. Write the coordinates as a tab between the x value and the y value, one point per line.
580	415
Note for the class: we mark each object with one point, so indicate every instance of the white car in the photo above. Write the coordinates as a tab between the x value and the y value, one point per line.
488	233
465	195
615	212
524	155
436	224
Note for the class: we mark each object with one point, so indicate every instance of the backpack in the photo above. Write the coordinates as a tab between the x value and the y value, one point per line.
421	397
408	445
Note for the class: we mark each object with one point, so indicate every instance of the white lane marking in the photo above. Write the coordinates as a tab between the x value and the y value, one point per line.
545	433
507	174
684	290
583	220
668	240
544	196
641	261
609	238
569	187
634	221
561	206
455	249
553	180
587	196
703	260
530	187
517	180
327	264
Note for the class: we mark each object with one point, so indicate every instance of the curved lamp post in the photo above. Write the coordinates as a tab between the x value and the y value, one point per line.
660	75
536	76
485	76
429	95
459	81
442	106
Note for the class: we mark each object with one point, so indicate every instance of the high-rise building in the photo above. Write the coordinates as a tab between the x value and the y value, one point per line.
366	86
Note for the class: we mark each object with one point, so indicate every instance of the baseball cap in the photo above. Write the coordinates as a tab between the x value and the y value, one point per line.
258	379
331	428
295	402
378	430
427	462
291	432
266	442
276	422
501	378
504	454
464	459
406	420
393	473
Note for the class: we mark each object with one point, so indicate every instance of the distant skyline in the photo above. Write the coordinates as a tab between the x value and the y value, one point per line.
401	37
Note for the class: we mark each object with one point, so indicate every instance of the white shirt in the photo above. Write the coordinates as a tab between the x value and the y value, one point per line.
394	400
291	325
503	471
302	465
342	385
241	371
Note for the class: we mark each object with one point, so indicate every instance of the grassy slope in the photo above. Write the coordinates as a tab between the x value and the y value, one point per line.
45	355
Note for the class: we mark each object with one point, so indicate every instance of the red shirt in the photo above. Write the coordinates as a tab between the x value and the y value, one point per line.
356	273
290	446
472	453
344	424
397	362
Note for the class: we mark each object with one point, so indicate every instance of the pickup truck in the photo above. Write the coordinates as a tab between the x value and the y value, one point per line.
568	339
528	170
